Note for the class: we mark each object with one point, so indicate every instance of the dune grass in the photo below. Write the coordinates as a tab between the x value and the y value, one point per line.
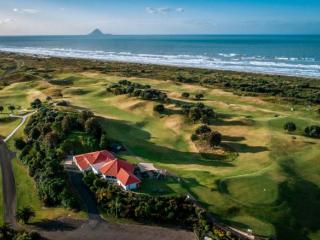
262	189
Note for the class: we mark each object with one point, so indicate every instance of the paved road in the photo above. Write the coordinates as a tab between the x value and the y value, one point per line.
9	188
8	182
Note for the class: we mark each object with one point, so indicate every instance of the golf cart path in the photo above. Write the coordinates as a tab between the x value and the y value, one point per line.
24	119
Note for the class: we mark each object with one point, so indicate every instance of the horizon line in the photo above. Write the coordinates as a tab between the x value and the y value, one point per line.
164	34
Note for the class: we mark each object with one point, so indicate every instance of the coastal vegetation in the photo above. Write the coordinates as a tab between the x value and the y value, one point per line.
47	144
7	233
25	214
255	178
178	211
292	89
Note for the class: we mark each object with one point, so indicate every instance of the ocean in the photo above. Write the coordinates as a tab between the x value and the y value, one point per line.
294	55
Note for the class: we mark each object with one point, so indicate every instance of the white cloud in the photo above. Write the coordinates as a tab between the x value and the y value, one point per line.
162	10
26	10
179	10
6	20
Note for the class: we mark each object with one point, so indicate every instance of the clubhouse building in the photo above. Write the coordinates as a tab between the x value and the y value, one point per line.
110	168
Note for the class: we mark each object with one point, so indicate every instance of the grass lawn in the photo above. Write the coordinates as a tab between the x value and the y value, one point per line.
7	124
168	186
261	189
27	196
252	189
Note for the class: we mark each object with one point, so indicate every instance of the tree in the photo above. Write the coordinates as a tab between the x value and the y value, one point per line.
35	133
66	124
214	139
159	108
1	109
36	103
199	96
104	141
51	139
290	127
62	103
194	114
194	137
204	119
11	108
93	127
312	131
19	143
203	129
6	232
185	94
25	214
84	116
23	236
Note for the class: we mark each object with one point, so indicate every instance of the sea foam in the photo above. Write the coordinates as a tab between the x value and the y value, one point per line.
222	61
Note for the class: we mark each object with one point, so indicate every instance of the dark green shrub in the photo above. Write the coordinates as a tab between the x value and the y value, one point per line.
159	108
313	131
203	129
290	126
185	94
214	139
19	143
199	96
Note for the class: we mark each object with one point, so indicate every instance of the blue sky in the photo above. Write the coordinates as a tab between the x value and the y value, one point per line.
32	17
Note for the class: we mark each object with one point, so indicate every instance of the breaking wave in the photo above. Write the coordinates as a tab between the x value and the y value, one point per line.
307	67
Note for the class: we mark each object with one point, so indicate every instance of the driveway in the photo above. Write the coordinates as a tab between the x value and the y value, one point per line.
75	179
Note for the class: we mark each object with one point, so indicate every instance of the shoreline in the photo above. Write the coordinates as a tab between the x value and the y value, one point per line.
128	61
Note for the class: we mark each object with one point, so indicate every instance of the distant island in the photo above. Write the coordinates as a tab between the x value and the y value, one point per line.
98	33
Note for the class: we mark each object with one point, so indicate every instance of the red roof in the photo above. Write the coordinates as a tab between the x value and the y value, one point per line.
113	167
84	160
100	156
127	178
